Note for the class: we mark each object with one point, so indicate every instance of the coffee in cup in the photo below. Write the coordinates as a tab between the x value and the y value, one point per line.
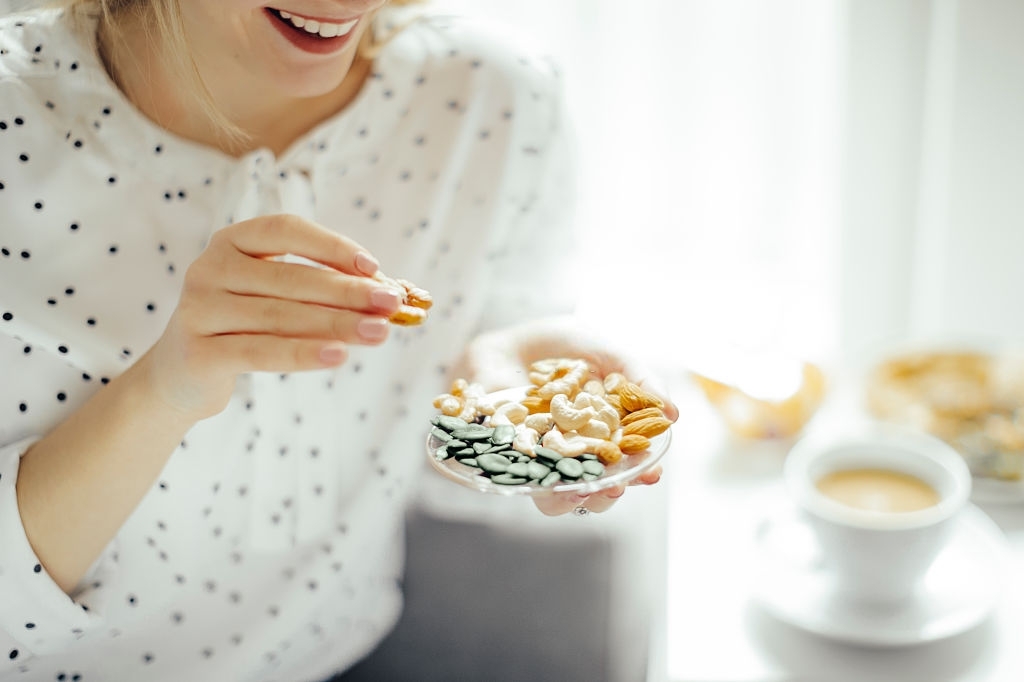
880	490
881	502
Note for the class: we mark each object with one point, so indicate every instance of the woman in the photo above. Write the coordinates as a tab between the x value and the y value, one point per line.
205	442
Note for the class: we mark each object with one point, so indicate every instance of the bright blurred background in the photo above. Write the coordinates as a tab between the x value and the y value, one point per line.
813	178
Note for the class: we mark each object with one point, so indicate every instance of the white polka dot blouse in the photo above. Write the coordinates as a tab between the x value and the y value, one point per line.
269	547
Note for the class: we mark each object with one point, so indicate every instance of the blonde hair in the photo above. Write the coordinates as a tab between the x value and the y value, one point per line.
163	19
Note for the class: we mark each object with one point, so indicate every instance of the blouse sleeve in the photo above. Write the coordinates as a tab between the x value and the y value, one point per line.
36	616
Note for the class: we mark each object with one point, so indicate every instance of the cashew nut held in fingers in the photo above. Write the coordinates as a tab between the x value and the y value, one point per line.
568	417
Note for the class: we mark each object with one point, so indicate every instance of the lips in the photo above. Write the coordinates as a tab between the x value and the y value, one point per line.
312	34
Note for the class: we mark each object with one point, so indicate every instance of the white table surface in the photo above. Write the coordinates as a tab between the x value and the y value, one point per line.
710	631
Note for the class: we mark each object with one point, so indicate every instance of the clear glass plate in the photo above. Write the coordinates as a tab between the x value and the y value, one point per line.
621	473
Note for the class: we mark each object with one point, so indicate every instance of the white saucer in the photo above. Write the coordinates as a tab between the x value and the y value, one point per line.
958	592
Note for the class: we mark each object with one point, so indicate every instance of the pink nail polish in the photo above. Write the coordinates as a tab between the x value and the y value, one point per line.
332	355
387	300
372	329
367	264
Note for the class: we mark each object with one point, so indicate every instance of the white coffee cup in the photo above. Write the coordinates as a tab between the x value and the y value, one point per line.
878	556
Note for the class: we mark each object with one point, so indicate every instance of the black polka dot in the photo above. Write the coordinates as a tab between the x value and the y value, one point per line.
8	317
112	248
13	655
23	158
30	626
62	396
26	255
91	321
37	568
73	227
23	407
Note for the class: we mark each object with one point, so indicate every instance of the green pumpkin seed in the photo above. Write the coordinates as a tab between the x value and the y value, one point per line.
520	469
508	479
473	432
590	477
470	462
493	463
481	447
547	454
537	470
440	434
588	456
500	447
503	433
456	443
570	468
551	479
449	423
593	467
441	454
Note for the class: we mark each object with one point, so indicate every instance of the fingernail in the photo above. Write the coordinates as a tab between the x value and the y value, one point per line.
615	493
332	355
367	264
385	299
372	329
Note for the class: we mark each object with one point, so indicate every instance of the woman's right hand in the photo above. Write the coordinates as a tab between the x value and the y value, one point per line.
242	311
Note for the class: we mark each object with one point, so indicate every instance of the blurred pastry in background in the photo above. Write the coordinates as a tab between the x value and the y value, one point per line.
972	400
771	399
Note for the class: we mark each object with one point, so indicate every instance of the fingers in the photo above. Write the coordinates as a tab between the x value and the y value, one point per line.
649	477
226	314
283	234
563	503
559	503
255	277
603	501
266	353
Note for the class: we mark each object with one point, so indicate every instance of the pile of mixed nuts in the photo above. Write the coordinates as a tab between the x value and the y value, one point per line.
568	427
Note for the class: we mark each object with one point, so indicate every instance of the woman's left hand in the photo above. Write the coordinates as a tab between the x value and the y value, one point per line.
501	359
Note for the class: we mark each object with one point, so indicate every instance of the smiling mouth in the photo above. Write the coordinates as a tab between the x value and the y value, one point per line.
314	27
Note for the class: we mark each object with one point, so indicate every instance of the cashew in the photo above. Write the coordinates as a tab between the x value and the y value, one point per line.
567	417
595	428
605	412
448	404
614	381
558	442
509	413
540	422
525	440
566	379
594	387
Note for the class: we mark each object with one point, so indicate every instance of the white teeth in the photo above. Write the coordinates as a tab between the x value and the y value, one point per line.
322	28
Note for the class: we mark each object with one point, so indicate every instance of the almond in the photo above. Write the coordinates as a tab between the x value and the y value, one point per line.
634	443
634	398
645	413
652	426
